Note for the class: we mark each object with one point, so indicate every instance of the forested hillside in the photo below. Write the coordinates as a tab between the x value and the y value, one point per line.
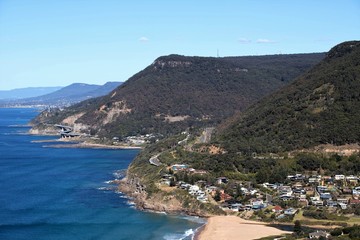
177	92
320	107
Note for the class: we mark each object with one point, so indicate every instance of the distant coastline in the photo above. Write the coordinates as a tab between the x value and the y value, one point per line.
94	146
79	144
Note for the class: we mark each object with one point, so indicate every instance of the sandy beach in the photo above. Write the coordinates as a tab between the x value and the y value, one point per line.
232	227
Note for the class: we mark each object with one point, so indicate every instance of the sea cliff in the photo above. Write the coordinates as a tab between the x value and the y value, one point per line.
173	202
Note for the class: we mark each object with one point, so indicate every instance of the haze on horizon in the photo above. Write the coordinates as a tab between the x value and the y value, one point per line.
51	43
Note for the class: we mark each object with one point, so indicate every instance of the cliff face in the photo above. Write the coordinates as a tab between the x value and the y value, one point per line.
143	184
159	201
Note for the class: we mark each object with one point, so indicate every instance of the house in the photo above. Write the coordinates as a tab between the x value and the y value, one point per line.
318	234
166	176
253	191
200	172
257	203
343	206
202	199
211	190
164	181
354	201
185	185
327	179
286	198
224	196
309	191
245	191
277	209
290	211
201	183
355	193
285	190
321	189
235	207
347	191
314	180
332	204
179	167
194	188
339	177
297	185
222	180
296	177
269	185
325	196
351	177
318	203
303	202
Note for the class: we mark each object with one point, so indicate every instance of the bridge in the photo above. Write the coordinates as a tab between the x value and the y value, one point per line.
66	131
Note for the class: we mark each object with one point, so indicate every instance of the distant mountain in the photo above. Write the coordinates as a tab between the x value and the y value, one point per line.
26	92
320	107
69	95
103	90
177	92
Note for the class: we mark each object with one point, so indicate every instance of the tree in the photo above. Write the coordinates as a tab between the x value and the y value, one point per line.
355	234
172	182
336	232
263	175
297	227
186	178
217	196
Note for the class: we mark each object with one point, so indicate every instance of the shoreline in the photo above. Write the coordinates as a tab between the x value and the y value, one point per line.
59	143
248	230
93	146
199	230
207	231
232	227
216	227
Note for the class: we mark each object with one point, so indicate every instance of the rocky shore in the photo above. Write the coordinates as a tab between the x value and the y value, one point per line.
158	202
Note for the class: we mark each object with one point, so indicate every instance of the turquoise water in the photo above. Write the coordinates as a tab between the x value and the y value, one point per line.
62	193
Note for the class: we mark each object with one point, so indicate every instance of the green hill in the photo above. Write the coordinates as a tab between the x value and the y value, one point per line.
177	92
320	107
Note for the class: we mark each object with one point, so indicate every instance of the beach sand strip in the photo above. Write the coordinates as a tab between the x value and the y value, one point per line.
232	227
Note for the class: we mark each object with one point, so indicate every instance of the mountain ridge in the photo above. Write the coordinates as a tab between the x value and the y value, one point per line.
67	95
27	92
179	92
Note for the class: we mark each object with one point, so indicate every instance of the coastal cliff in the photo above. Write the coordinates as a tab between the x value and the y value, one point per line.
160	201
143	184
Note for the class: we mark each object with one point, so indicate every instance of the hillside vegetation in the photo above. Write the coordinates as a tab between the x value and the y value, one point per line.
320	107
178	92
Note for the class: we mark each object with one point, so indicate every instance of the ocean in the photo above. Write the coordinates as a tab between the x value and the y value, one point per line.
64	193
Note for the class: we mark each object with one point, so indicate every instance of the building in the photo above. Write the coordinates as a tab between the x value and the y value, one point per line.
222	180
318	234
277	209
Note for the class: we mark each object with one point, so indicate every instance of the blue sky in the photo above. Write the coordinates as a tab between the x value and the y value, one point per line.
56	43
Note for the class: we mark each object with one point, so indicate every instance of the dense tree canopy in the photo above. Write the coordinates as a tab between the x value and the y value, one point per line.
322	106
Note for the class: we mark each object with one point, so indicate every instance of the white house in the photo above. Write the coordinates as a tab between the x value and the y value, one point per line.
339	177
